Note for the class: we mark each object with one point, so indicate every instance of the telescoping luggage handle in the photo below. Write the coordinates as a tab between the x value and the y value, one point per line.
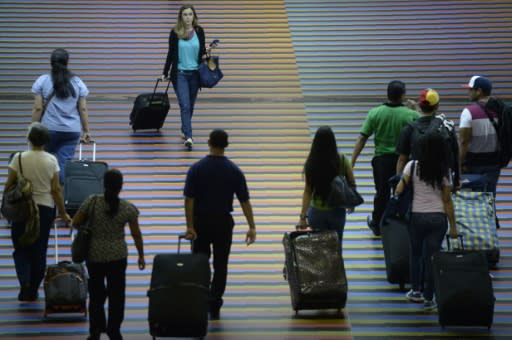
182	236
156	85
459	237
93	149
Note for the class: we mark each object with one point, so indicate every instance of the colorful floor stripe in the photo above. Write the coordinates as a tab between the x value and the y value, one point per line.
290	66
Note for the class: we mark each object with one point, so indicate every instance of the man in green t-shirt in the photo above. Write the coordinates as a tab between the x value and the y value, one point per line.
385	122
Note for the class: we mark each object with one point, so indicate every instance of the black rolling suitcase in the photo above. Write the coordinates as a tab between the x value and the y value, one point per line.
463	288
65	286
396	244
178	295
315	270
82	178
150	109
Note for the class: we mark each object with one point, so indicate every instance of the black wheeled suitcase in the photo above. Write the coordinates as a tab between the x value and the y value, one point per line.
65	286
463	288
150	109
178	295
396	244
82	178
315	270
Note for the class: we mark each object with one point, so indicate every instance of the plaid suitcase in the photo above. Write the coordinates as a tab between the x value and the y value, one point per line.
475	217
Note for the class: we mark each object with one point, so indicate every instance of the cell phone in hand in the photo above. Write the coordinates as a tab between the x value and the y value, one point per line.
215	42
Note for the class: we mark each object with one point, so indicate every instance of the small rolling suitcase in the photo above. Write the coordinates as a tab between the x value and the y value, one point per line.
65	286
178	295
315	270
82	178
150	109
463	288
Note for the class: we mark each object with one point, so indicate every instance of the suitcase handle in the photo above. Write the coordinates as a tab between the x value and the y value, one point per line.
182	236
93	150
156	85
459	237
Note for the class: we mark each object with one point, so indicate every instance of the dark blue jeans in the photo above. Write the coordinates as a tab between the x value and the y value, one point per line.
426	234
114	273
186	88
63	146
333	219
215	231
30	261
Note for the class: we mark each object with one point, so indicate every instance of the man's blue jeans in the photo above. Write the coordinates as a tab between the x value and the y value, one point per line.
186	88
491	172
63	146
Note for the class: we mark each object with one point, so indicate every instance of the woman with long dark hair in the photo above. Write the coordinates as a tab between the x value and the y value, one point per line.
324	162
432	210
60	105
108	253
186	50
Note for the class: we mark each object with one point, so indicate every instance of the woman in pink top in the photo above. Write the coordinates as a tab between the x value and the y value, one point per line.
432	209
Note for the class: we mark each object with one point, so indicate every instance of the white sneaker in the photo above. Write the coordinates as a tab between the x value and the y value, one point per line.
188	143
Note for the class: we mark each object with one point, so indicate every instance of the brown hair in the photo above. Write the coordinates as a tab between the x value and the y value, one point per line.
180	29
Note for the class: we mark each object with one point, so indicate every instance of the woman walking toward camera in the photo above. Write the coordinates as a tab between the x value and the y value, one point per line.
186	50
108	253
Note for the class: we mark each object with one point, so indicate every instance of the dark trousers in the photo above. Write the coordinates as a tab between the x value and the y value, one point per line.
426	234
115	274
30	261
384	167
215	232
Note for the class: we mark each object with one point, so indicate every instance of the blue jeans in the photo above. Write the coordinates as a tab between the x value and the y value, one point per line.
63	146
492	172
186	88
333	219
426	234
30	261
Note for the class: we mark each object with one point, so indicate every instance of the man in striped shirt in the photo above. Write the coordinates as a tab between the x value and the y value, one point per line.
478	137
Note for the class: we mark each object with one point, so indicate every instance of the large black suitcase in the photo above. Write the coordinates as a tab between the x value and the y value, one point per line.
396	244
315	270
150	109
82	178
178	295
463	288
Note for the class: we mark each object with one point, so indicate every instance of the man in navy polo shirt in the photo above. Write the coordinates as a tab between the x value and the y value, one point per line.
209	189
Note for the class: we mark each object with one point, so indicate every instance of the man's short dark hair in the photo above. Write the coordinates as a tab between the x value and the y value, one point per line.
38	134
218	138
396	89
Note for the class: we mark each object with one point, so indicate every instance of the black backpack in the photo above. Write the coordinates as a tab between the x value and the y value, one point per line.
503	127
446	128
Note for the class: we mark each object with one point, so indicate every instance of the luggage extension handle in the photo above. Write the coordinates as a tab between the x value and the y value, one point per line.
156	85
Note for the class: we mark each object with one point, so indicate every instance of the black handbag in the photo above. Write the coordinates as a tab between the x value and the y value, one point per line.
16	200
209	72
342	195
80	245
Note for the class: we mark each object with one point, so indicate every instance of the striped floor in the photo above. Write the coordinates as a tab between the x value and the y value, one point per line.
290	66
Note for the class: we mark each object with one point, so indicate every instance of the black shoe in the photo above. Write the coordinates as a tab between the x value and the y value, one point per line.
25	293
373	226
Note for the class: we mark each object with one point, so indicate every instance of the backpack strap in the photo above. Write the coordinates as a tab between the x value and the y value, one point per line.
493	122
19	162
